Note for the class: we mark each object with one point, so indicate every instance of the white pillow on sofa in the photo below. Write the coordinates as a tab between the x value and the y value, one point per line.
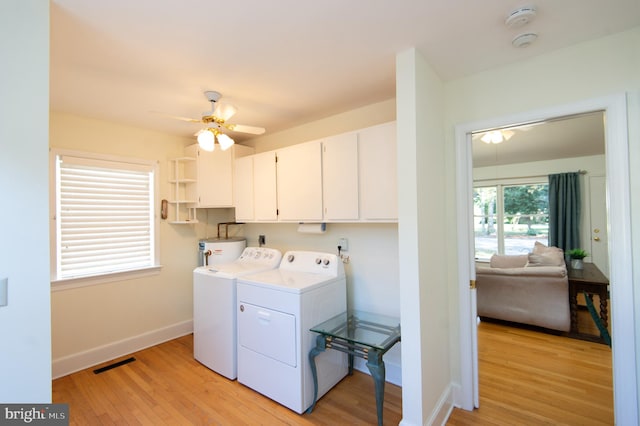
545	256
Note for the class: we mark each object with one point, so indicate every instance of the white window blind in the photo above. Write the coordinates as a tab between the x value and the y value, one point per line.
104	216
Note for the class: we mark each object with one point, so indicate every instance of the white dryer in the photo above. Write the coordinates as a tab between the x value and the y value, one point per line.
276	309
214	307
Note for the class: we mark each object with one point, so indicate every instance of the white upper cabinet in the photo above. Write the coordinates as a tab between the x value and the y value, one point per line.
299	182
243	189
340	177
350	177
378	173
255	188
264	187
214	186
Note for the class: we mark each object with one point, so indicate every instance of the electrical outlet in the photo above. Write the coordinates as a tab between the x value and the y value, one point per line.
4	284
344	244
261	240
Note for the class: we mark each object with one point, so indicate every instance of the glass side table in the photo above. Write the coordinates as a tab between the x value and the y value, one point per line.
362	334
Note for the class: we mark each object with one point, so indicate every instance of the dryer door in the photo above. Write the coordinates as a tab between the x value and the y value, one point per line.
268	332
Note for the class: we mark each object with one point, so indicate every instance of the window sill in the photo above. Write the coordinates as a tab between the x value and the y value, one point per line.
70	283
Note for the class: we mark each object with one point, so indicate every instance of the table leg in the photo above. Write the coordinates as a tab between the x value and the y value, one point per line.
604	314
375	364
573	308
320	346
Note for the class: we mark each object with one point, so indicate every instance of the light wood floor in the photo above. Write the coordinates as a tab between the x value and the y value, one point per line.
533	378
526	378
166	386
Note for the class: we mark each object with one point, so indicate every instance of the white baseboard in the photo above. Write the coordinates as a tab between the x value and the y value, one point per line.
441	411
443	408
71	363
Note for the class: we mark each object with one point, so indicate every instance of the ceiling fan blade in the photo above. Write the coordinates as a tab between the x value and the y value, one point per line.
176	117
224	111
245	129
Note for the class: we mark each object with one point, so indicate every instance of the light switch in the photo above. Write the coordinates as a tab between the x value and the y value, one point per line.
4	284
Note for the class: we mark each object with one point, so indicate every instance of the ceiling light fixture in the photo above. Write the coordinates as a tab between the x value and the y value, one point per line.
496	136
207	137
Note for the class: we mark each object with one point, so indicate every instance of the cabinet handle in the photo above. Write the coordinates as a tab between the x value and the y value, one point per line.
596	238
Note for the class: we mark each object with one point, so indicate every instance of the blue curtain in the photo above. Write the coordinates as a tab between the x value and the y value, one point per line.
564	210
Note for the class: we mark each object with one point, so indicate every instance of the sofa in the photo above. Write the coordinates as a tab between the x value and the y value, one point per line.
530	289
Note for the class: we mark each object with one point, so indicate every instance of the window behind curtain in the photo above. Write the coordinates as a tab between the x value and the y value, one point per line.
510	218
104	215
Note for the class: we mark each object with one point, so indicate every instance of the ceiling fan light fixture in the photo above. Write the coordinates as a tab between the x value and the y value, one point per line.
224	141
496	136
206	139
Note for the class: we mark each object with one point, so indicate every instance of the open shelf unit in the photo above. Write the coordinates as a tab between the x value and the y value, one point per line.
184	173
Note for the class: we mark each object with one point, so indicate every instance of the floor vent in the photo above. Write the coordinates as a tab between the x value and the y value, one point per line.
114	365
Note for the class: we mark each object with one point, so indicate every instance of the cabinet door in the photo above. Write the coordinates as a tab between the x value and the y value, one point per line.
264	187
243	189
340	177
378	173
215	171
299	180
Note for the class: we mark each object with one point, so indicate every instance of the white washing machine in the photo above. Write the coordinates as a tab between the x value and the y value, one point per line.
276	309
214	307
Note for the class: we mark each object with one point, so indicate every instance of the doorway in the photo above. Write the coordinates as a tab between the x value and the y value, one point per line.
624	351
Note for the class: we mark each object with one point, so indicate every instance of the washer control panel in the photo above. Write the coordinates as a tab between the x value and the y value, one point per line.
263	255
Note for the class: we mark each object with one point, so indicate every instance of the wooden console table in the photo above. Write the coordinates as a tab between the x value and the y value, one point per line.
591	281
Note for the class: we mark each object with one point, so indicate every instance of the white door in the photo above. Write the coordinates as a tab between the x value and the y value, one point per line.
243	189
378	172
469	397
264	187
268	332
598	208
340	177
299	177
215	170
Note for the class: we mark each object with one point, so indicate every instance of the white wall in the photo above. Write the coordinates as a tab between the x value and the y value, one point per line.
610	65
422	242
97	323
360	118
25	352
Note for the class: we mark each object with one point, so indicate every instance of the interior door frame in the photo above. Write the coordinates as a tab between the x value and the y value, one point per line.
619	225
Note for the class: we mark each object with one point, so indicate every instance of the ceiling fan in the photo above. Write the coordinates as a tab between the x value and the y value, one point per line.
497	136
215	122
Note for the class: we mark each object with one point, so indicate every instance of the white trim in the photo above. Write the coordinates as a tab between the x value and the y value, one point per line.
442	410
619	218
82	156
468	391
69	283
79	361
625	389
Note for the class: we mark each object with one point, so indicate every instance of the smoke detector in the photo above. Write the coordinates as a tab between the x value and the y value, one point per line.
524	40
520	17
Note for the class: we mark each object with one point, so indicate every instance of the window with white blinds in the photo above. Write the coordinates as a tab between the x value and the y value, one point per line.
104	217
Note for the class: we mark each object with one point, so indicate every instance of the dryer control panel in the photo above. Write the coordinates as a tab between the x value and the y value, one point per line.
313	262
